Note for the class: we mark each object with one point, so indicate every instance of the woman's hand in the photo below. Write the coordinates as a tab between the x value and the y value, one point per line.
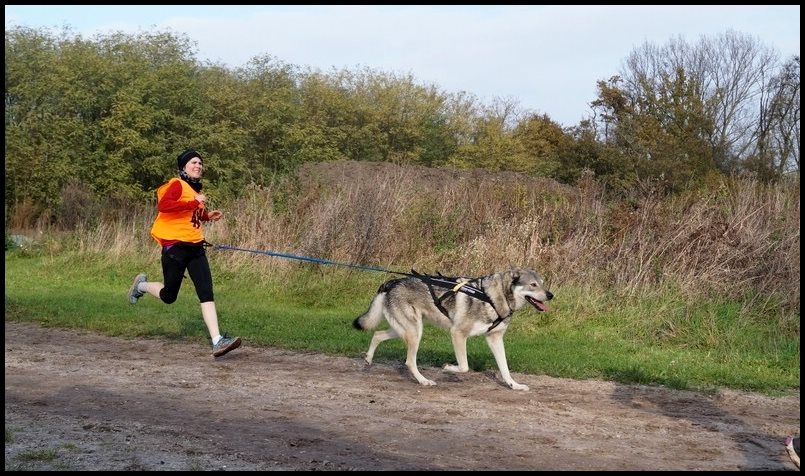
215	215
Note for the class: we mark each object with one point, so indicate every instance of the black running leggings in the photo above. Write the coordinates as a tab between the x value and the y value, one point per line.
177	259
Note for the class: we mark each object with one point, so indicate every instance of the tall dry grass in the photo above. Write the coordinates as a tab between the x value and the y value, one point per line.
738	239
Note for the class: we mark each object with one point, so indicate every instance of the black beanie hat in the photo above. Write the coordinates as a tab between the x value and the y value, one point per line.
185	157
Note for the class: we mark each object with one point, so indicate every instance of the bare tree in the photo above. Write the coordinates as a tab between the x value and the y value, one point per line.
783	119
732	72
739	68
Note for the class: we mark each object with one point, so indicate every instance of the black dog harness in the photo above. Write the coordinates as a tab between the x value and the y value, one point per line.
455	285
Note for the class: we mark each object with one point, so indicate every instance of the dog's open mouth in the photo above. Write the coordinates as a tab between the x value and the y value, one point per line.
541	306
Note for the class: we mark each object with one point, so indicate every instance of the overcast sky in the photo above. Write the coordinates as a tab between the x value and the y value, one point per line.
548	58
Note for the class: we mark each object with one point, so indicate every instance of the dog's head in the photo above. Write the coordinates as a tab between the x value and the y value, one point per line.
528	286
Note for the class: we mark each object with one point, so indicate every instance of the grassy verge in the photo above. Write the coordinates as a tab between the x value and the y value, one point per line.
661	340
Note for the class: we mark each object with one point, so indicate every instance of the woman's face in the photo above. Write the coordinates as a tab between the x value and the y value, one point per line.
194	168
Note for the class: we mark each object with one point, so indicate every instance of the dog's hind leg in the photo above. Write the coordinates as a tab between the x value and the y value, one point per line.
412	339
377	338
495	342
460	348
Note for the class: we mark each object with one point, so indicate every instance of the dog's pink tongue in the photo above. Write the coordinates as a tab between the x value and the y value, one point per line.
538	304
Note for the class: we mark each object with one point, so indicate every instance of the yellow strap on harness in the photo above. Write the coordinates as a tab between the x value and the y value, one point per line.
459	285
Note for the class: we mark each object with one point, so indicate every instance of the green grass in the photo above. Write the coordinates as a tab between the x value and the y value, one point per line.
655	340
38	455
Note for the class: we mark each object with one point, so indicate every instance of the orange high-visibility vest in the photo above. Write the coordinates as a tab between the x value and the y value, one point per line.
184	225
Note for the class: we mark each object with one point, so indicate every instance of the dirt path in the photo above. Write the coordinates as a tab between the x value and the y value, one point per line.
81	401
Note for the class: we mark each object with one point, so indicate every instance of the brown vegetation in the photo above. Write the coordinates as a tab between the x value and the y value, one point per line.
737	239
734	239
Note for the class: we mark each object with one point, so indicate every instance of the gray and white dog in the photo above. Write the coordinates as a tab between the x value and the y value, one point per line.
406	302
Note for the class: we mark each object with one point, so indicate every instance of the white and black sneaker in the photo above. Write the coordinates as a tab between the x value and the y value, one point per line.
224	345
134	292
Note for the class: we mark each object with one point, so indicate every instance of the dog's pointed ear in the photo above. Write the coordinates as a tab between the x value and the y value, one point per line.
515	276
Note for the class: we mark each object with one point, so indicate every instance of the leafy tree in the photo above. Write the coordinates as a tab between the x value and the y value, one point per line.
543	140
491	144
104	112
582	154
41	125
156	108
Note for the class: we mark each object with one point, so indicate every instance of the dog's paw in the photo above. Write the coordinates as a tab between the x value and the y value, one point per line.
518	386
453	368
427	382
367	360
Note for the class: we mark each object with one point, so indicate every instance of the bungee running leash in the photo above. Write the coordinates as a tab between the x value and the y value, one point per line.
453	284
301	258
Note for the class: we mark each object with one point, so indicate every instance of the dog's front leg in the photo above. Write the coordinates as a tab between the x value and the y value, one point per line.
460	348
495	342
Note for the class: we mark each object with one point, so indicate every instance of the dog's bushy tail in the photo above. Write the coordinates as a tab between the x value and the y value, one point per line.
374	316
